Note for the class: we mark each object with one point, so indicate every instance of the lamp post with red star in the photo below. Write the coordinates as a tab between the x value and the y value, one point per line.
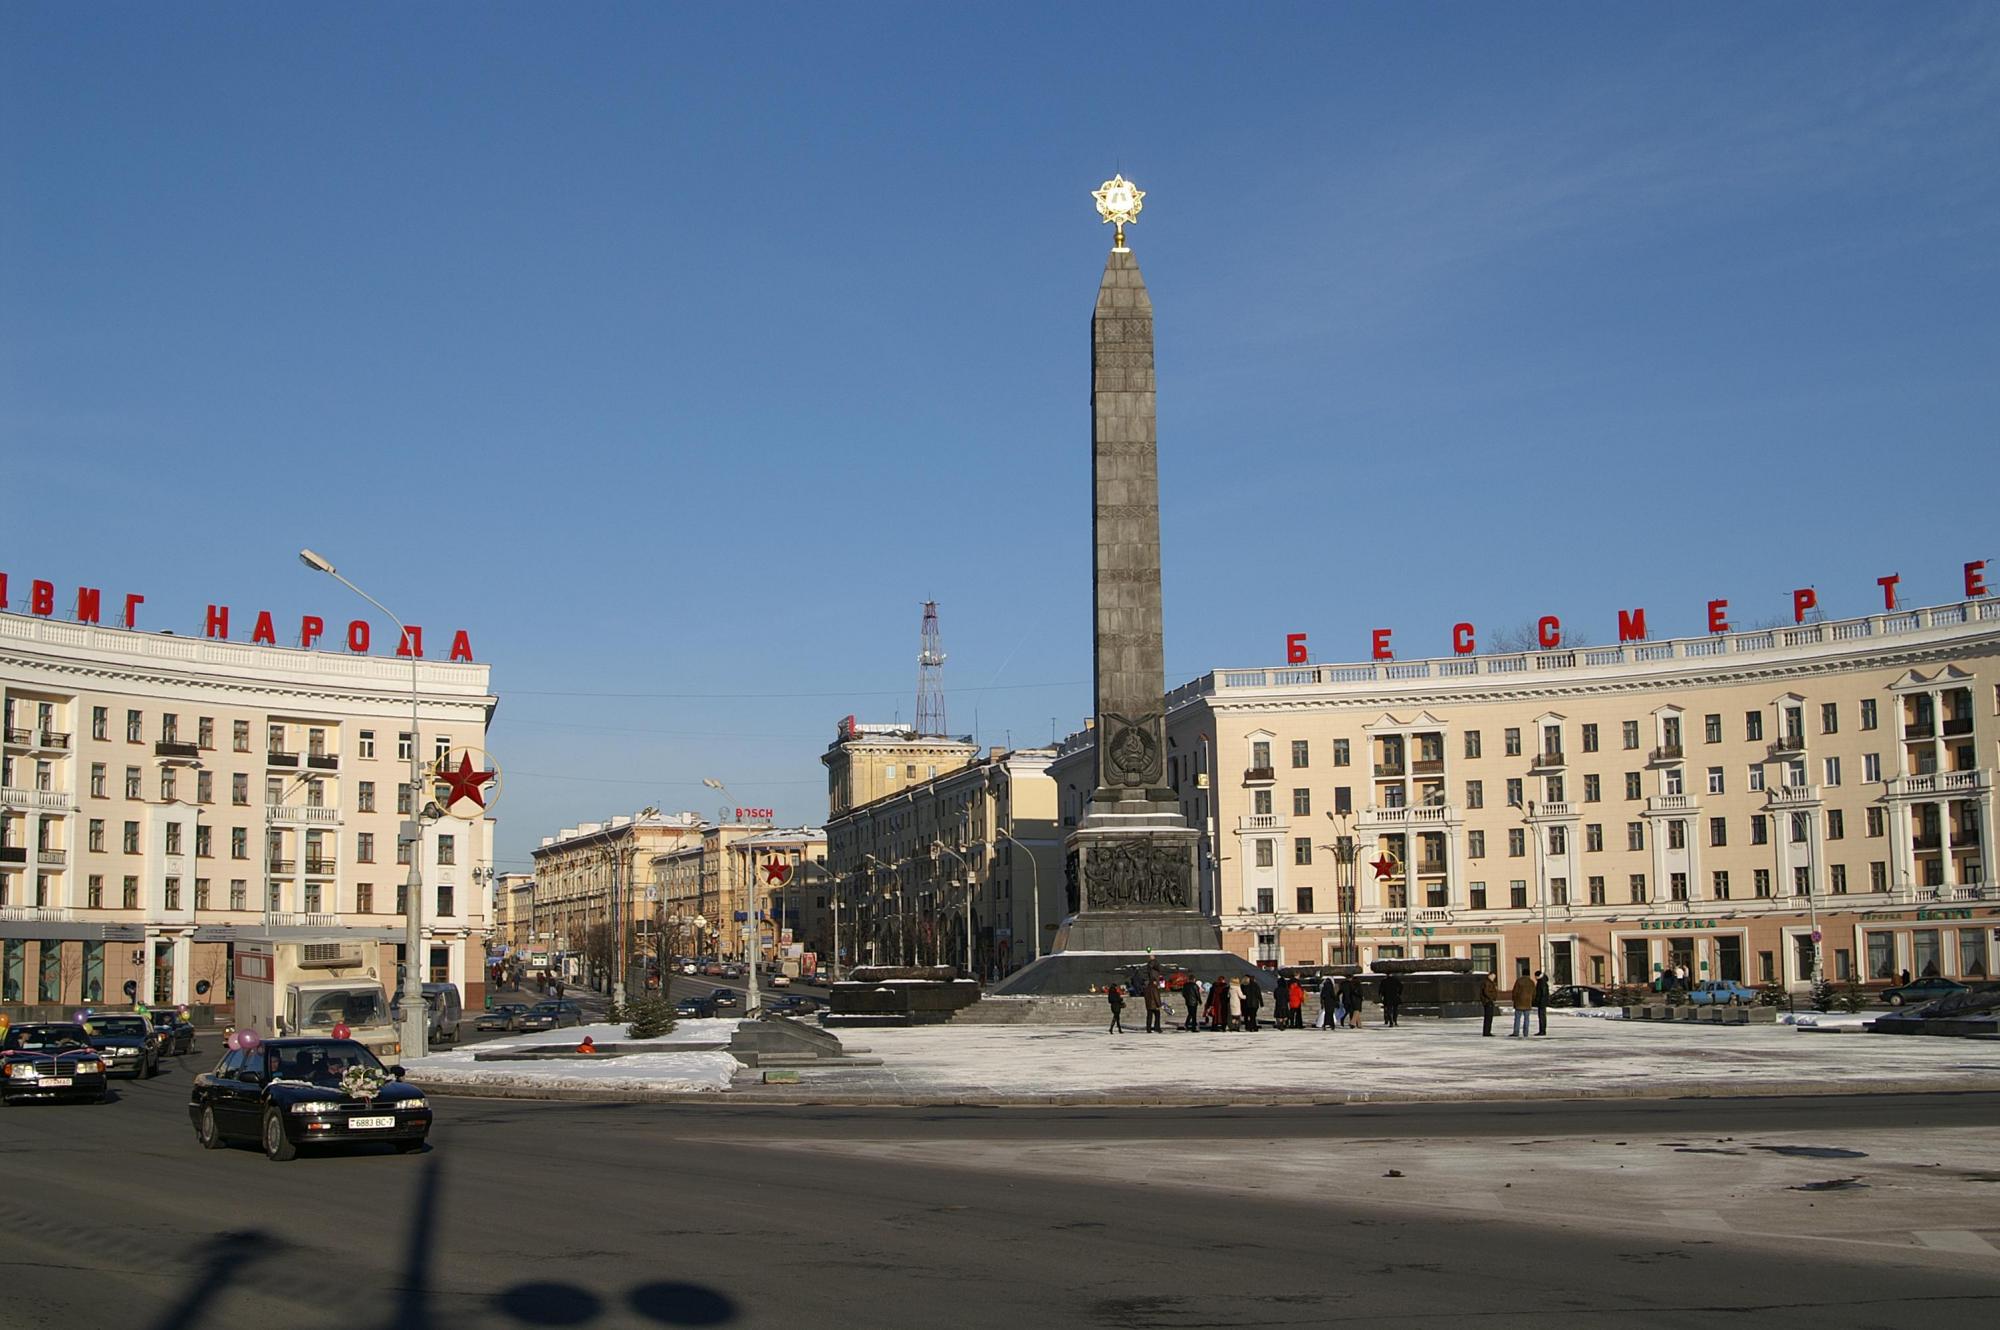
1388	868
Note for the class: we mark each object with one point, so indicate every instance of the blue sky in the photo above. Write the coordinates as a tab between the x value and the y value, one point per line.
680	353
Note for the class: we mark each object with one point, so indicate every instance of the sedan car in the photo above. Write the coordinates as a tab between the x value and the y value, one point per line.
1920	990
552	1015
724	997
50	1061
176	1031
779	980
288	1093
1721	993
1577	995
506	1016
694	1008
130	1045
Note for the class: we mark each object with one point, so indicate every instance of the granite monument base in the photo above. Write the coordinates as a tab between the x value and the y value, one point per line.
1069	973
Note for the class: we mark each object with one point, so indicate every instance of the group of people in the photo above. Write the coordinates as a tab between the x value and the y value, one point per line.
1530	995
1238	1002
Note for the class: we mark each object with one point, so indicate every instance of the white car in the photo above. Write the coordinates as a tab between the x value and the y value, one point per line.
779	981
689	967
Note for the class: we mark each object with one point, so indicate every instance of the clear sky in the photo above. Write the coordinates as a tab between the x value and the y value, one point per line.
679	353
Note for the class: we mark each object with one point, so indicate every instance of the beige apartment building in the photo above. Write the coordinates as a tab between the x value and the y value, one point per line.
868	762
963	867
162	797
703	885
1712	801
590	885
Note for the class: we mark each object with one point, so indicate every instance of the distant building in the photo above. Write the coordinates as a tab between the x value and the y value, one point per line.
590	885
866	762
716	874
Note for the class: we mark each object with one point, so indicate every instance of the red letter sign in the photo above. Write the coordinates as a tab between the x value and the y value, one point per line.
412	643
265	631
311	627
1549	632
1382	652
1461	638
42	596
87	602
1805	598
1295	649
1975	580
1631	625
357	635
1888	585
218	621
461	646
1718	616
132	604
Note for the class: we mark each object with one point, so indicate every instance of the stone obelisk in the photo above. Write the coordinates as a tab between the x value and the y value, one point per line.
1132	856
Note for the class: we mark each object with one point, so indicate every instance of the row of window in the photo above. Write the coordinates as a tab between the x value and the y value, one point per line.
239	844
312	895
276	734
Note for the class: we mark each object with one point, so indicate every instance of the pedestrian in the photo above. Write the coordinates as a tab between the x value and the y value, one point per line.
1350	1002
1154	998
1489	1003
1905	980
1218	1004
1524	1002
1191	995
1116	997
1392	997
1253	1002
1541	1003
1329	998
1232	1004
1297	999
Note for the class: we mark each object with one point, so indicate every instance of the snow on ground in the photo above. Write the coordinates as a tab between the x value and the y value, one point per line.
1828	1020
667	1070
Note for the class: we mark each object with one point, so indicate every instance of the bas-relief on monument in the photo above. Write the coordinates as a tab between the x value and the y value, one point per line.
1134	854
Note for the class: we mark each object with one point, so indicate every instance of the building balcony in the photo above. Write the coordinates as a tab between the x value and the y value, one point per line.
13	854
37	914
1430	867
36	801
1964	836
1386	770
1418	815
278	757
1933	783
1260	822
323	761
55	739
298	815
52	858
1788	745
1919	729
300	919
1259	775
1426	766
322	867
281	867
1671	803
18	737
1556	809
1666	754
1957	726
175	748
1548	761
1922	843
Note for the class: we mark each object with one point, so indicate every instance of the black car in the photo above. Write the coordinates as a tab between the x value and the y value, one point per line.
1577	995
177	1030
552	1015
694	1008
129	1043
51	1061
506	1016
287	1093
724	997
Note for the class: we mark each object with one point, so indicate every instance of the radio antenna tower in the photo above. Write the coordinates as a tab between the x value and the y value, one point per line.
930	676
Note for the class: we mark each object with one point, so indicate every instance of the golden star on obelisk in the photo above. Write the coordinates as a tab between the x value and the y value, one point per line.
1119	202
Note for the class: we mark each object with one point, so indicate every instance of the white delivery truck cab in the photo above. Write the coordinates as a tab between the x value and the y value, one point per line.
307	988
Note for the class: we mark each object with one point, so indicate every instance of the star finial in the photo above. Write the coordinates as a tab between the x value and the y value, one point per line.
1119	202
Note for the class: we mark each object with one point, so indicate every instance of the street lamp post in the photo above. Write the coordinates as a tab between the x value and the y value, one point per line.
1035	876
965	868
416	1021
750	943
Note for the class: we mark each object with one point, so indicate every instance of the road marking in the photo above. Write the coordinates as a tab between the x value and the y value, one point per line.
1695	1219
1956	1239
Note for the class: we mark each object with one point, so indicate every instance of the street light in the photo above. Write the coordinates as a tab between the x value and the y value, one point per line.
941	848
750	941
1035	875
416	1021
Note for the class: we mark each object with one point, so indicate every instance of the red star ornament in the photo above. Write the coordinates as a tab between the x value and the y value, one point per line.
464	783
1385	867
776	872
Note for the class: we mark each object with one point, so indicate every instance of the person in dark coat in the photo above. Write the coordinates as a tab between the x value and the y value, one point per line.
1218	1003
1116	997
1541	1003
1392	997
1329	1003
1253	1001
1154	999
1191	995
1350	1002
1489	1003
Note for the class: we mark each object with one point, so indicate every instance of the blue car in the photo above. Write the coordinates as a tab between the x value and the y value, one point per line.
1721	993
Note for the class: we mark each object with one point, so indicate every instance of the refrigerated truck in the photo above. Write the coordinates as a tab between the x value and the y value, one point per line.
307	988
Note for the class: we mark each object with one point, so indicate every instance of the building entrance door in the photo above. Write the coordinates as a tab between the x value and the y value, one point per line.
1561	964
1729	958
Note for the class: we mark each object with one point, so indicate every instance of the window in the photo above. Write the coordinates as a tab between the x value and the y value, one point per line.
1801	827
1558	840
1341	753
1677	838
443	746
1343	799
1472	743
1552	739
204	842
1590	738
1305	900
364	847
1753	725
1514	792
168	784
201	893
364	796
1475	794
1593	789
1475	895
403	799
170	727
1299	751
204	733
1634	789
316	742
1475	844
1715	784
239	735
239	789
364	744
1302	850
100	722
1638	888
1631	734
1802	881
135	724
239	894
1760	830
1719	883
1267	901
1754	780
1971	954
1552	789
1718	831
274	790
1760	883
1517	842
364	898
204	787
405	741
1265	857
1512	741
447	849
94	892
274	739
132	783
97	780
1829	718
239	843
1302	802
1593	837
1836	824
1517	894
1260	755
129	893
131	842
1878	876
1677	886
1838	874
1832	771
1595	887
445	901
1671	782
173	893
1260	803
1559	891
1711	728
96	835
1635	835
402	855
1867	713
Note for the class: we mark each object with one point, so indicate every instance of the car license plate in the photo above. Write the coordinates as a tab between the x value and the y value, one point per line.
55	1080
362	1124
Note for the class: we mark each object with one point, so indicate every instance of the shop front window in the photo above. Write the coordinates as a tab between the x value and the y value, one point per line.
1881	955
1924	953
1971	953
1729	958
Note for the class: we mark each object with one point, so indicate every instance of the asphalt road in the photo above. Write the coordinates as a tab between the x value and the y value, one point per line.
526	1214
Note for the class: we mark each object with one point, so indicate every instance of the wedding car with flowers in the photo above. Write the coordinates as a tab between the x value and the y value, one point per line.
285	1094
49	1060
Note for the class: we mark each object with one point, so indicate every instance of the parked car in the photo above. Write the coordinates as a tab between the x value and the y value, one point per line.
441	1007
732	971
789	1005
128	1042
689	967
552	1015
177	1030
50	1061
505	1016
287	1093
694	1008
725	997
779	980
1920	990
713	970
1577	995
1721	993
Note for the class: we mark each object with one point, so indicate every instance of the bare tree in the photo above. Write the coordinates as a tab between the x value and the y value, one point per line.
1527	636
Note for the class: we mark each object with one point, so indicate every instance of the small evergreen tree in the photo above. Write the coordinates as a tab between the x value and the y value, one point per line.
1822	994
650	1017
1850	997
